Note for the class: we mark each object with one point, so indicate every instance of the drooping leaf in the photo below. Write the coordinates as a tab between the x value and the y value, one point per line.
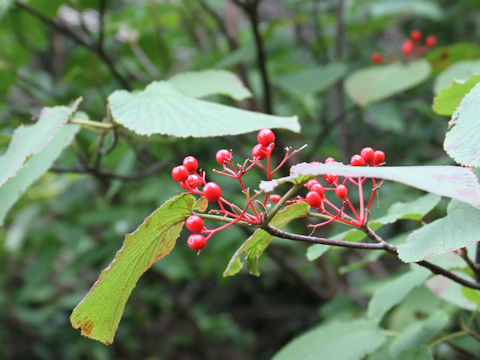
99	313
311	81
161	109
459	71
376	83
443	57
346	340
210	82
450	181
448	99
451	291
419	333
256	244
393	292
462	142
29	140
461	227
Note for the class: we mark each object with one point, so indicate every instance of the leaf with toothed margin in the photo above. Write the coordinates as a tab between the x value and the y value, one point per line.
449	99
99	313
161	109
462	142
449	181
256	244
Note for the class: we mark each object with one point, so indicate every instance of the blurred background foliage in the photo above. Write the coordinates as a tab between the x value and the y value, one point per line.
68	226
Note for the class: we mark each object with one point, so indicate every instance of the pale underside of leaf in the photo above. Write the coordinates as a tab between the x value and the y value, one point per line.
451	291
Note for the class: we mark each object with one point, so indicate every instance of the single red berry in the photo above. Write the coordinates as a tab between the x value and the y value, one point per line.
212	191
341	191
379	157
184	185
310	183
430	41
197	241
329	160
313	199
275	198
194	223
194	181
265	137
377	58
416	35
407	48
190	163
357	160
259	152
179	173
367	154
222	156
319	189
330	179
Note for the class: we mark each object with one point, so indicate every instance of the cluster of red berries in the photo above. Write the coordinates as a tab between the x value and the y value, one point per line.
191	179
411	46
316	196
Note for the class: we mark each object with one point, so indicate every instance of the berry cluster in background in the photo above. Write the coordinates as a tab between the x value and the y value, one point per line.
411	48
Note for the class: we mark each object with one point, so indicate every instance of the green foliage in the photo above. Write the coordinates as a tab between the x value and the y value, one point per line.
452	292
459	72
448	99
443	57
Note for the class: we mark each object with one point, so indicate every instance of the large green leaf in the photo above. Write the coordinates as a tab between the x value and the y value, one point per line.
462	142
461	227
451	291
99	313
448	99
376	83
459	71
210	82
349	340
443	57
420	353
393	292
161	109
310	81
450	181
256	244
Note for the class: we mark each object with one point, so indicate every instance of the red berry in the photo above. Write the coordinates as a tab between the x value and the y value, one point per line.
265	137
341	191
319	189
379	157
190	163
313	199
194	223
222	156
275	198
430	41
367	154
259	152
179	173
330	179
407	47
357	160
212	191
377	58
184	185
416	35
197	241
194	181
329	160
310	183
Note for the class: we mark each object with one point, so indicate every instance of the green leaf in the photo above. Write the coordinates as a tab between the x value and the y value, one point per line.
376	83
346	340
459	71
315	251
385	116
462	142
419	333
256	244
452	292
161	109
448	99
394	292
311	81
99	313
415	8
443	57
458	229
413	210
421	353
210	82
4	6
450	181
29	140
